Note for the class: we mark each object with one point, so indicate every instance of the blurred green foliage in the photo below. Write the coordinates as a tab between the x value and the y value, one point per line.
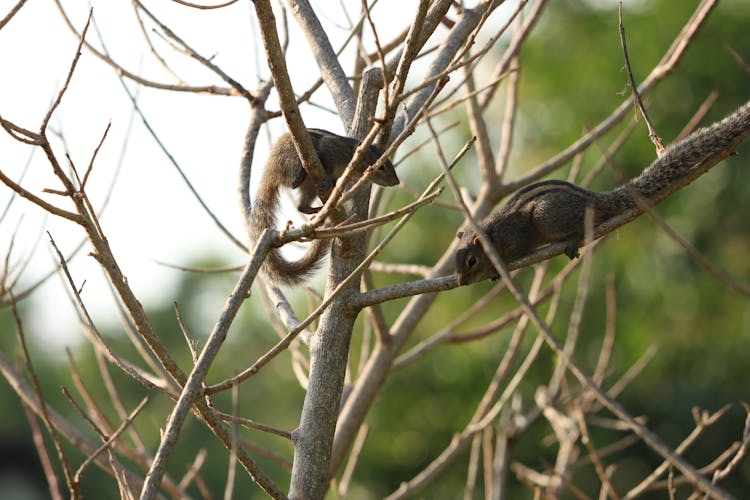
571	77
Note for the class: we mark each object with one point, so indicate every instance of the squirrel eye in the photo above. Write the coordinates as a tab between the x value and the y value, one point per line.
472	261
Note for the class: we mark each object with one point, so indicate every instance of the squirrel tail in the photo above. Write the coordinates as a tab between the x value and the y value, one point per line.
276	268
684	161
691	157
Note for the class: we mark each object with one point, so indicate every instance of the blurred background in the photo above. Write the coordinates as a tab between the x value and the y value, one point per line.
572	77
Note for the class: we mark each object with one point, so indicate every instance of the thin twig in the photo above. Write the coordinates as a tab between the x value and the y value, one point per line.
192	344
41	450
61	93
508	127
651	439
110	440
660	149
61	454
742	452
232	468
82	183
598	466
739	59
193	386
13	11
251	424
701	113
351	464
192	473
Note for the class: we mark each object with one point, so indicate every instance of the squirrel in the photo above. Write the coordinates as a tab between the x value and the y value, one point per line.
553	211
284	168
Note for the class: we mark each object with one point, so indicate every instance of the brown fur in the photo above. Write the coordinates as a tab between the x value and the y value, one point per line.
553	211
284	169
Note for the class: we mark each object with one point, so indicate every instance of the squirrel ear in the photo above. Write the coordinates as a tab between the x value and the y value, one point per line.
476	241
460	235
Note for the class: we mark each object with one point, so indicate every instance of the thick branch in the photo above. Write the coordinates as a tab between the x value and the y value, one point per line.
329	346
330	68
193	387
378	366
277	65
448	50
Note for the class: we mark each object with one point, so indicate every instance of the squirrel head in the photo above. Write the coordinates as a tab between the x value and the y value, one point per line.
472	264
385	174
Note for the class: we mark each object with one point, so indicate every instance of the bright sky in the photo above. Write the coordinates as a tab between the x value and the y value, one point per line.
151	216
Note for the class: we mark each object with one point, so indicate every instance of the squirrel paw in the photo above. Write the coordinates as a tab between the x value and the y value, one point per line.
571	250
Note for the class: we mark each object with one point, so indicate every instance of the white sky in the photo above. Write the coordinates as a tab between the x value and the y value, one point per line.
151	216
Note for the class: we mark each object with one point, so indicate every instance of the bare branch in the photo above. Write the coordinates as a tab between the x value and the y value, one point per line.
41	449
330	68
277	65
209	89
13	11
43	410
636	95
193	386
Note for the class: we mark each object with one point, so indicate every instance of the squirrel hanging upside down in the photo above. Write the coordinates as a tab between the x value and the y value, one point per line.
284	169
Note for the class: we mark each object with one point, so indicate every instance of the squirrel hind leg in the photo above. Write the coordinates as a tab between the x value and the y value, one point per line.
307	196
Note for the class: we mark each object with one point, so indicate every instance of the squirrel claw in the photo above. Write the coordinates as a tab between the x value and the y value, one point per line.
571	250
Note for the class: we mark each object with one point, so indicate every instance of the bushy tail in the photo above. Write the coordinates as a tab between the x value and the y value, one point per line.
688	159
276	268
683	162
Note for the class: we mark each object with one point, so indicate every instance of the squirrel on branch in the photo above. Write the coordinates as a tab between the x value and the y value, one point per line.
553	211
284	169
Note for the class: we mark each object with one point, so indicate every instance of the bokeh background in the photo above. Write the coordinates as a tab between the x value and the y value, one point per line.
572	77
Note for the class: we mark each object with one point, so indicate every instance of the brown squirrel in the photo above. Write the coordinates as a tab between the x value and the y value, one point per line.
284	168
553	211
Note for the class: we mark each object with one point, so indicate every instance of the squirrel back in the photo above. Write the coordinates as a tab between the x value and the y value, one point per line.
554	211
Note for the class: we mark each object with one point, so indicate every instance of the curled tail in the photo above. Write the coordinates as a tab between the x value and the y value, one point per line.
276	268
